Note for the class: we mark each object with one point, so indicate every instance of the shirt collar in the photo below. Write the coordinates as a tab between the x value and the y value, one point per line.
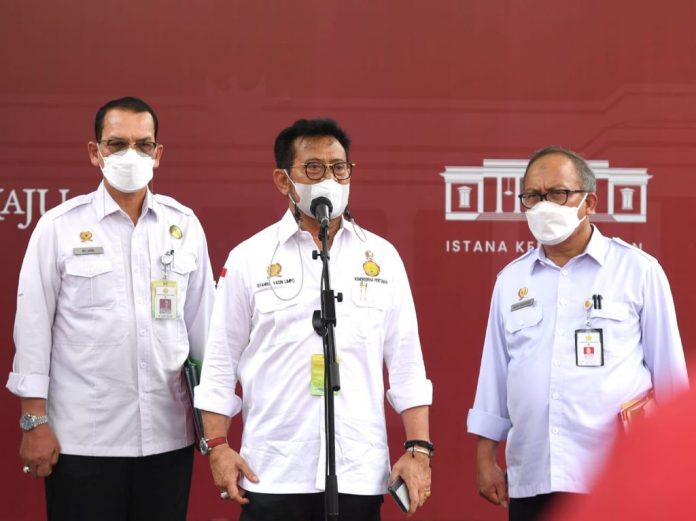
597	249
289	227
105	205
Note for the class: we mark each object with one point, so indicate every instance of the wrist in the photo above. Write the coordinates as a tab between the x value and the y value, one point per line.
422	447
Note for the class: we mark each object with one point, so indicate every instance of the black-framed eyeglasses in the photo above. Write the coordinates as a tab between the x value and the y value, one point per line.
316	170
119	146
557	196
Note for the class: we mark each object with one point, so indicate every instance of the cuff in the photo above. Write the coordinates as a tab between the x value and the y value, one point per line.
219	401
487	425
411	395
28	385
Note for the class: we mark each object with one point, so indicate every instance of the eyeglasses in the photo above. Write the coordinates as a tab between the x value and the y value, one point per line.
530	199
315	170
120	146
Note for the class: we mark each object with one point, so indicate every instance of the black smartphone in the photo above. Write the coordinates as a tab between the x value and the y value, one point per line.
399	491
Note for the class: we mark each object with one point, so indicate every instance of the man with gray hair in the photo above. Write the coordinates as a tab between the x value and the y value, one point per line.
581	335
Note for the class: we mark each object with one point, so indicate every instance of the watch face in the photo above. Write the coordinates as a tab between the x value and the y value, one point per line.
26	422
203	447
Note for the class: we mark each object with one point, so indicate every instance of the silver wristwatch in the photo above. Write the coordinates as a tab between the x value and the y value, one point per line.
28	421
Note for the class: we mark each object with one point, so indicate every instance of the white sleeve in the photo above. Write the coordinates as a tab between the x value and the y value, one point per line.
408	385
662	347
230	326
199	298
37	297
489	416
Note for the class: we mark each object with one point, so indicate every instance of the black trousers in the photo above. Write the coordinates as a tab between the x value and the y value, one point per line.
535	507
149	488
309	507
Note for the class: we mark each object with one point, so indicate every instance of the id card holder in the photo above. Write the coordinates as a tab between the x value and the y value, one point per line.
164	299
589	348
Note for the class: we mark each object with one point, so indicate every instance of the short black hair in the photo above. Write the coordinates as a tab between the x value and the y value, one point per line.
128	103
587	178
284	147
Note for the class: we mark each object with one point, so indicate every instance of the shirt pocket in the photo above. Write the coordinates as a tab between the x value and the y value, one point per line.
522	331
281	321
89	282
620	334
370	305
181	270
174	329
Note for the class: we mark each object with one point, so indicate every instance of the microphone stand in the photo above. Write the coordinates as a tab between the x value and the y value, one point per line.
324	321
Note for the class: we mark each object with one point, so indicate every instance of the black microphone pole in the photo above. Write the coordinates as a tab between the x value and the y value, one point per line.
324	321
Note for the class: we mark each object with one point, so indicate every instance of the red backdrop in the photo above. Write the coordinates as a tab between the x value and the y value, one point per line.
420	86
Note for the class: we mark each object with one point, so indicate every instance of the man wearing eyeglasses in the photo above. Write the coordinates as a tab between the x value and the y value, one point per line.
261	336
114	294
579	328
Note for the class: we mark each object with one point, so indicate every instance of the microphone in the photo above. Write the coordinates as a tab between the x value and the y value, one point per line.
321	209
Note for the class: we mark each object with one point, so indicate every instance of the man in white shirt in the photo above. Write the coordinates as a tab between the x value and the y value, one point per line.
578	327
261	336
115	292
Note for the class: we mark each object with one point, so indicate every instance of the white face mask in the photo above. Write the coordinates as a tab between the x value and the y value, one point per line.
335	192
127	172
552	223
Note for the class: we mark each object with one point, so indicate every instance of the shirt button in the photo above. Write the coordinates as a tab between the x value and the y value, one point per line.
143	365
560	332
555	430
562	301
142	332
555	396
557	363
564	272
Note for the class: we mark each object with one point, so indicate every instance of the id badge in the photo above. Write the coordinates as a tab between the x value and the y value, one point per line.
316	382
589	348
164	299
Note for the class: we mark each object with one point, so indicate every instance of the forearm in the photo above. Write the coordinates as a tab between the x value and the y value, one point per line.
486	451
215	425
35	406
416	424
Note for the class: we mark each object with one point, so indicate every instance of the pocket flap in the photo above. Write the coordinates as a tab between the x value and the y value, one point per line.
525	317
87	266
184	264
612	310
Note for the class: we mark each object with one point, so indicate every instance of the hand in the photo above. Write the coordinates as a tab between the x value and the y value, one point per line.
39	450
414	469
491	483
227	466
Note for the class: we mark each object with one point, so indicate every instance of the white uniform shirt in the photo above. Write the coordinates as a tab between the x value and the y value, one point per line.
261	335
84	331
560	418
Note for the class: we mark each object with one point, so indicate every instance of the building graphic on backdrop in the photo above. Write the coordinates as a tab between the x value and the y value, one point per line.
489	192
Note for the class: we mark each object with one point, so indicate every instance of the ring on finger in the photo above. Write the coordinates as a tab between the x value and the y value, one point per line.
26	469
427	493
224	495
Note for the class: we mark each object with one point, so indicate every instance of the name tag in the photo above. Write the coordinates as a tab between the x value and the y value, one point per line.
522	305
88	250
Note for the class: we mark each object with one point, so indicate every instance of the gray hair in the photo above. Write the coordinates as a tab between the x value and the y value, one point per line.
588	181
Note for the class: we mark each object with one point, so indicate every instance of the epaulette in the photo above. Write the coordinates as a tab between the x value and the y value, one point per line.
630	246
70	204
173	203
518	259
